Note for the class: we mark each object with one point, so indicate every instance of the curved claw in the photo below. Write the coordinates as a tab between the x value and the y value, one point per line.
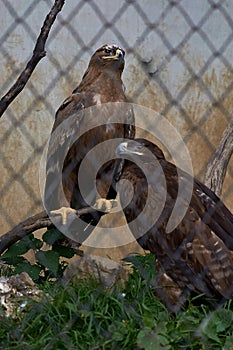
105	205
64	212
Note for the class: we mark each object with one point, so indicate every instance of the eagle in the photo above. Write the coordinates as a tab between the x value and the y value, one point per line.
96	112
196	257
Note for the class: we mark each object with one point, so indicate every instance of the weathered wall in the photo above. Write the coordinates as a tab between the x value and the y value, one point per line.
154	75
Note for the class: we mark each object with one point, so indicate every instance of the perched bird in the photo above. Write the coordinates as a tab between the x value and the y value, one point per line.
94	113
196	257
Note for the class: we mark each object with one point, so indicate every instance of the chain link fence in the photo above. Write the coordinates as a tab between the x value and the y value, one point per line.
178	62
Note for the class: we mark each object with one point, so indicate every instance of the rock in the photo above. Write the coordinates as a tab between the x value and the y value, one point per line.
107	271
21	281
15	292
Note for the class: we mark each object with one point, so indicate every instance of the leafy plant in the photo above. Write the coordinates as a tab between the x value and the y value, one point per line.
144	265
48	251
219	324
153	339
88	316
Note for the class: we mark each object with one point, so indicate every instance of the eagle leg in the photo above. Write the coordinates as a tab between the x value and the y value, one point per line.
64	212
105	205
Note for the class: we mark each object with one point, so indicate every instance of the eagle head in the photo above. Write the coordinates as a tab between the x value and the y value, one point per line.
141	148
109	56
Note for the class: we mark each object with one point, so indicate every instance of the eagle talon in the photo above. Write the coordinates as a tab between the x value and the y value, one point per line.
64	212
105	205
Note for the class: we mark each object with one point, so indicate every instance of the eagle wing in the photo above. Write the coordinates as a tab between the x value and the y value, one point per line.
61	139
215	214
197	256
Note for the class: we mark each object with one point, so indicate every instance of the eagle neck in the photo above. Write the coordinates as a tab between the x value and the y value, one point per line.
101	79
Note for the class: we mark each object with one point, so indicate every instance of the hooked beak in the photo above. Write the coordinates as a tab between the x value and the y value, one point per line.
118	56
123	149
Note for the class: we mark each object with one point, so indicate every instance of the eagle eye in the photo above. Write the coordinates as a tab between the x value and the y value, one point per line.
107	50
140	146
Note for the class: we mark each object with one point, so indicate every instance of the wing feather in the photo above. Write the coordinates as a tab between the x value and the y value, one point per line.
197	256
62	137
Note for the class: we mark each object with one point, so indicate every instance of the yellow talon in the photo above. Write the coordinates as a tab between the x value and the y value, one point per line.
64	212
105	205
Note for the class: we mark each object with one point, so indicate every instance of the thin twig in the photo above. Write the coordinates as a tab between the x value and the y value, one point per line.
38	53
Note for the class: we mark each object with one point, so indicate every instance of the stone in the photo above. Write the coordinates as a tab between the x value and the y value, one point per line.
105	270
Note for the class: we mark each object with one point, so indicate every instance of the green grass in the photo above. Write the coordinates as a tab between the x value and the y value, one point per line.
88	317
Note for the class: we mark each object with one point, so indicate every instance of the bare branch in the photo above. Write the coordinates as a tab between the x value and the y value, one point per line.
32	224
217	166
38	53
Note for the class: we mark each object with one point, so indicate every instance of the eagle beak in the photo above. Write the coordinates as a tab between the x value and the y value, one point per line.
119	56
123	149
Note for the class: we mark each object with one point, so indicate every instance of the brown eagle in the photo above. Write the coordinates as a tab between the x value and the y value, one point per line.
95	112
196	257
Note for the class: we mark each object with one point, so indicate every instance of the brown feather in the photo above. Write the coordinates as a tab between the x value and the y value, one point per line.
101	84
196	257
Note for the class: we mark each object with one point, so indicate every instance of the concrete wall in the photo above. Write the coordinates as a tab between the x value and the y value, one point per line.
153	76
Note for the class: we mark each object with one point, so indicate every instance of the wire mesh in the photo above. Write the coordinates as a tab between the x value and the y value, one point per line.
178	62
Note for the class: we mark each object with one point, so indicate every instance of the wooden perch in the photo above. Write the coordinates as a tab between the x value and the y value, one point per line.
38	53
32	224
217	166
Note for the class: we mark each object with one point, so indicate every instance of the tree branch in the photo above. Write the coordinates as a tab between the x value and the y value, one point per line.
38	53
217	166
32	224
